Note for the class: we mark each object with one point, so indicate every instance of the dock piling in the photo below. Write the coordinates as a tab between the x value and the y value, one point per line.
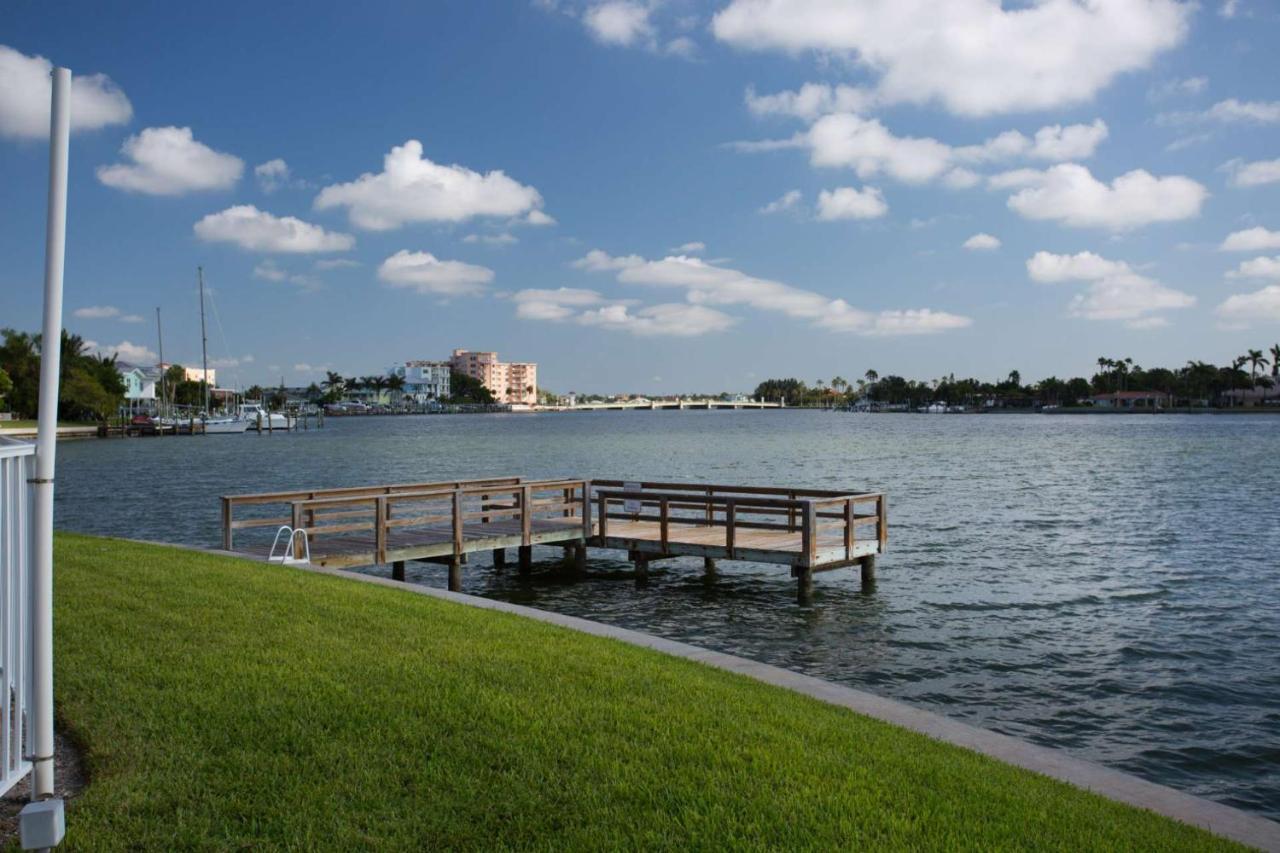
804	585
455	575
526	559
580	558
642	568
499	558
709	566
397	570
868	565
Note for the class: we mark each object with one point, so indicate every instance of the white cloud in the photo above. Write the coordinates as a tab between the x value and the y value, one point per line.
412	188
1068	193
425	273
26	89
259	231
124	351
668	319
1242	310
851	203
1256	239
272	175
503	239
975	57
787	201
270	271
1115	291
1229	8
810	101
335	263
538	218
169	161
1254	174
1258	268
982	243
690	248
1178	87
1232	110
708	284
619	22
559	304
871	149
96	312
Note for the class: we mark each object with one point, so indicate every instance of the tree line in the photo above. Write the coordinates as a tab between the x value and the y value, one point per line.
1196	383
90	386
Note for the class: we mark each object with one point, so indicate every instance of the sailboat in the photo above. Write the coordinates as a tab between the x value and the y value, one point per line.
229	424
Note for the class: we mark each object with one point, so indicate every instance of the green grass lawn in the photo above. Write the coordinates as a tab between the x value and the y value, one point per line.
226	705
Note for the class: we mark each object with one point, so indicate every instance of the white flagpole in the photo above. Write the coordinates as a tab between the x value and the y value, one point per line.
46	443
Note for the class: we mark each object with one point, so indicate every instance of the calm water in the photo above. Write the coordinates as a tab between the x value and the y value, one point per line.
1107	585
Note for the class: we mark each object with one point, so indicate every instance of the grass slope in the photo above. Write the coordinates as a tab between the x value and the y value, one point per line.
225	704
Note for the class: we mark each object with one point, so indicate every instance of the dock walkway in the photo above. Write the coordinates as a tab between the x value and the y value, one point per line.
809	530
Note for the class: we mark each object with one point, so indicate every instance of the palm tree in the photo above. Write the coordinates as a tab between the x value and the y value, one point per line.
872	376
395	384
1275	360
377	383
1255	361
332	383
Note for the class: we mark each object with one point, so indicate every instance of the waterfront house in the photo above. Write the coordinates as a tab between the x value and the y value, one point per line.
1129	400
424	381
139	384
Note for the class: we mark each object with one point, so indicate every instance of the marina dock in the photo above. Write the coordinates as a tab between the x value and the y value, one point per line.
809	530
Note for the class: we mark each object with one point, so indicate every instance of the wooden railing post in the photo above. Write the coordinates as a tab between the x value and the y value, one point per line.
730	518
849	532
457	523
791	514
809	534
484	507
586	510
380	528
295	522
882	522
604	516
226	524
663	522
526	515
568	501
711	512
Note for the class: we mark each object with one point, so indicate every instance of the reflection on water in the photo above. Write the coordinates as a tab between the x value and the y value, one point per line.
1102	584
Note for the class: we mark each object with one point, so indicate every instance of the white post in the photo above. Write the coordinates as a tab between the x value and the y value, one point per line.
46	442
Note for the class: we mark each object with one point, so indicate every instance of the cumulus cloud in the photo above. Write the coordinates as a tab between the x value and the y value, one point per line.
1232	110
268	270
1242	310
26	89
1256	174
708	284
169	161
1178	87
1258	268
272	175
811	101
105	312
672	319
981	243
559	304
976	57
411	188
124	351
619	22
1115	291
787	201
503	239
1256	239
851	203
690	248
425	273
259	231
1068	193
848	140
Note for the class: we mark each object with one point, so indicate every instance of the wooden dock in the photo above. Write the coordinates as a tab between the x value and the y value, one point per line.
809	530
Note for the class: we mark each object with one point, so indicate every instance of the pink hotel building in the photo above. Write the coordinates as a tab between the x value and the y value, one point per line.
509	382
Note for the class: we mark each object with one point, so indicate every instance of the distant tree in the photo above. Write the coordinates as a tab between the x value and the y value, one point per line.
314	394
255	392
6	385
791	392
467	389
1256	361
1275	360
395	384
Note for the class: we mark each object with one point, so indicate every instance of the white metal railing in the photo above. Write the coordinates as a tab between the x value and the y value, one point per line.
17	466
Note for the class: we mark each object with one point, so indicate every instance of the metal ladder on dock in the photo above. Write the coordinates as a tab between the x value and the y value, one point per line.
287	557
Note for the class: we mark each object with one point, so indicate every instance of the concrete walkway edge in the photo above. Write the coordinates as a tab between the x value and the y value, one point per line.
1220	819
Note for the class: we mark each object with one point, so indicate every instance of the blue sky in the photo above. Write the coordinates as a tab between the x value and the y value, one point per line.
656	196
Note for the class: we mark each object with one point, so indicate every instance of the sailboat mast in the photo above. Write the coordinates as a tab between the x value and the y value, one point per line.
204	343
163	382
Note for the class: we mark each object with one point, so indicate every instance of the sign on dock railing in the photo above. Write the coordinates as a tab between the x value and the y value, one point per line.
17	466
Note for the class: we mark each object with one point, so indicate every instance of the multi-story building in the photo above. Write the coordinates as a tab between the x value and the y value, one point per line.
424	381
514	382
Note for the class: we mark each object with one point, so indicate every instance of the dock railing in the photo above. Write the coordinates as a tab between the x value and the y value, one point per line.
516	506
17	468
827	521
282	501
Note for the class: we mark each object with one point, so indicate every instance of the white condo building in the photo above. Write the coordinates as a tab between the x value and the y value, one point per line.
424	381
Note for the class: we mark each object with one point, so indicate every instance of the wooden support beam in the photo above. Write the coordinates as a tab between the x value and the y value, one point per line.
868	566
526	559
709	566
455	575
804	585
397	570
499	558
580	558
642	568
226	524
